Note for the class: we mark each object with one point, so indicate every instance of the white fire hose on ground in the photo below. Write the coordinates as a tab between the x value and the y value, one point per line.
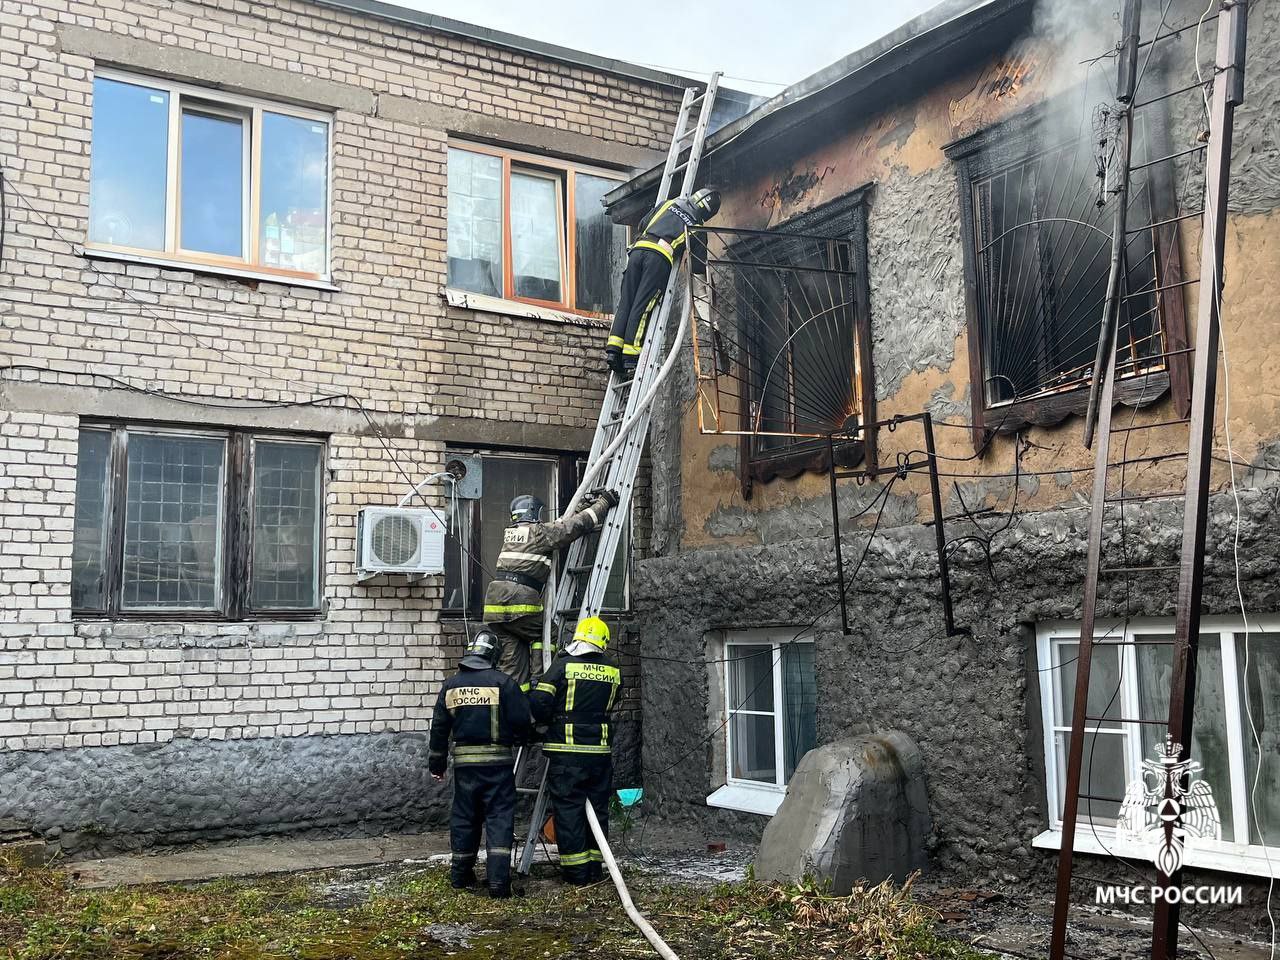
636	916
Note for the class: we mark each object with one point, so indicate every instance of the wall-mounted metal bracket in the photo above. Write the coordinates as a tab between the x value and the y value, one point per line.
853	433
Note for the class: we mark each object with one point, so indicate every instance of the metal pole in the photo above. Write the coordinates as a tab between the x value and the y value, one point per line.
1075	749
1125	83
939	531
1228	91
835	530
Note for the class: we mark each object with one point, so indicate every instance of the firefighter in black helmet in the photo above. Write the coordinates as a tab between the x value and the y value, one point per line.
513	599
575	697
487	715
662	237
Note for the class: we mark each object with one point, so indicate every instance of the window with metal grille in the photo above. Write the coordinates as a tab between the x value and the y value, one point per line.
784	349
1038	201
179	522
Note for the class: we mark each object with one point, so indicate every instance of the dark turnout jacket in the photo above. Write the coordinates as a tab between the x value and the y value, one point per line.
484	712
527	550
575	697
664	228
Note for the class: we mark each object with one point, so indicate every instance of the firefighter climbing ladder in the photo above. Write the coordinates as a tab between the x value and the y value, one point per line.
1227	93
580	590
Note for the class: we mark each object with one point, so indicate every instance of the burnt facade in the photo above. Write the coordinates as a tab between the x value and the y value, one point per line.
970	126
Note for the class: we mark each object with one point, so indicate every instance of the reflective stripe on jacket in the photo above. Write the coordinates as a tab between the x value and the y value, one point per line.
575	696
527	549
664	228
484	713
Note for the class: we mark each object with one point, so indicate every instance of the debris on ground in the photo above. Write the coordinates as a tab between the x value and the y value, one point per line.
409	911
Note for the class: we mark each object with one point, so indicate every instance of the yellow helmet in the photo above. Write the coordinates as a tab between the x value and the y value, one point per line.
594	631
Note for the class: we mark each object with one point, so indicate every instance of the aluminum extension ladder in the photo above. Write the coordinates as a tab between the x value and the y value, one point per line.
579	590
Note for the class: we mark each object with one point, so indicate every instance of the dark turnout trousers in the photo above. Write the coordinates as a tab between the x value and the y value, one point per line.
484	797
571	785
521	647
643	283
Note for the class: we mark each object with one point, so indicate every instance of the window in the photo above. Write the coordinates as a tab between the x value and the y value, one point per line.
770	718
1129	680
532	229
790	346
211	523
480	524
1037	214
201	177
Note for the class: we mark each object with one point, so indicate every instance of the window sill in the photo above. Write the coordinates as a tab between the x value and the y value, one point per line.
197	616
761	800
1224	857
514	308
808	457
247	273
1050	409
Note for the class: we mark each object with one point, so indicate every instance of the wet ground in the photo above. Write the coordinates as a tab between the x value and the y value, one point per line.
1006	921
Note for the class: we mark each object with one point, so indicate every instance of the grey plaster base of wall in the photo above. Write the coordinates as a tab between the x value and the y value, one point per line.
971	703
105	799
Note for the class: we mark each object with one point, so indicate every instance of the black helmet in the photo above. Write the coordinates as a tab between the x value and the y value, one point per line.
484	651
707	200
526	509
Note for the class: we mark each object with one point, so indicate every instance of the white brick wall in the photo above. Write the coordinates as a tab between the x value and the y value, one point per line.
385	337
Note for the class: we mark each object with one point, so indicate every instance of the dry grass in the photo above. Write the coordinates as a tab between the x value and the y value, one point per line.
412	913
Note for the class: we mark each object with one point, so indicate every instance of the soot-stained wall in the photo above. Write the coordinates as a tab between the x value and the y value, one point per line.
723	562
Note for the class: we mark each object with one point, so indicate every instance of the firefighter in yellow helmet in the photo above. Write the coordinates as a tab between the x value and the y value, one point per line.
574	697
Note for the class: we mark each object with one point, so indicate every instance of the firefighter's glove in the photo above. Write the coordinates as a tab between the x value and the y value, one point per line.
610	497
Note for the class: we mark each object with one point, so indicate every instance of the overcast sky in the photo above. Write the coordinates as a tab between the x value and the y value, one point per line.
776	41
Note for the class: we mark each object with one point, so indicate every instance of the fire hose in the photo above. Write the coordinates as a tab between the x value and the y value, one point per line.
636	916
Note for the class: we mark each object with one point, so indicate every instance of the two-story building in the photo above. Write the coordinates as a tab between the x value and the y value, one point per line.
955	168
262	266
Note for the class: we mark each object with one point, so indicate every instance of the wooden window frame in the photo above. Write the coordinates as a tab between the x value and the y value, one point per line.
568	467
249	109
235	536
1001	146
844	218
566	173
509	269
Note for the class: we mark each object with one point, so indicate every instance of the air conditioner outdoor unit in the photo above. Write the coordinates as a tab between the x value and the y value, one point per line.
399	540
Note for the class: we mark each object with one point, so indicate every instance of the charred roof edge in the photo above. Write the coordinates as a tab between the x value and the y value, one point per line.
910	46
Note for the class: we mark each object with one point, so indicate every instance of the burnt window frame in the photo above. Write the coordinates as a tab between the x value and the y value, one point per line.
569	467
1001	146
233	600
843	219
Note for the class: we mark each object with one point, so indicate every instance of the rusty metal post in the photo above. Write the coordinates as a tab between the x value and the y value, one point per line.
939	532
835	532
1080	708
1228	92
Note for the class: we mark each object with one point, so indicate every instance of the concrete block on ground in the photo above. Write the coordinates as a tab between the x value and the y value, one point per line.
855	809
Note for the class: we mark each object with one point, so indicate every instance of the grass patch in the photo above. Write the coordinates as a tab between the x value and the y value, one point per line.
413	914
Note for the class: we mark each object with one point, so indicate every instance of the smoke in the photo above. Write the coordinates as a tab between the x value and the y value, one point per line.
1080	41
